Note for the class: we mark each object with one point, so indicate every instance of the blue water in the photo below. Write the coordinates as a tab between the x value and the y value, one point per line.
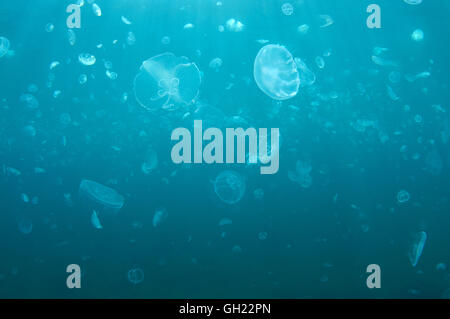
311	240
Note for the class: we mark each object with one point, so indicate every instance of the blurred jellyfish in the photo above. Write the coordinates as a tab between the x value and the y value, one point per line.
71	37
165	81
4	46
159	217
165	40
320	62
307	77
135	275
403	196
49	27
25	226
215	64
95	221
86	59
151	162
413	2
302	174
303	29
96	9
276	73
416	247
417	35
326	20
287	9
234	25
262	235
229	186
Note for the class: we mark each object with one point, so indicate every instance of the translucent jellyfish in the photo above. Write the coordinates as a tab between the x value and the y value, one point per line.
96	9
276	73
86	59
403	196
82	79
287	9
215	64
151	162
100	196
234	25
95	221
413	2
320	62
416	247
326	20
307	77
49	27
135	275
159	217
4	46
302	174
417	35
165	40
71	37
225	221
229	187
29	100
166	81
262	235
395	77
125	20
25	226
303	29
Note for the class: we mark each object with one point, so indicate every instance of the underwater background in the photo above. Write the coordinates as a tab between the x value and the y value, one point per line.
363	160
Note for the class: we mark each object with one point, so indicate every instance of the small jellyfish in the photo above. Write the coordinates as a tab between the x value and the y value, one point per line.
49	27
86	59
229	186
82	79
326	20
234	25
403	196
25	226
100	196
166	81
413	2
320	62
262	235
159	217
131	38
276	73
258	194
307	77
4	46
165	40
416	247
395	77
225	221
287	9
151	162
303	29
417	35
215	64
96	9
71	37
135	275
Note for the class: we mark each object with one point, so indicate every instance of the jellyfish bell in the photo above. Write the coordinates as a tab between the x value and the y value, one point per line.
100	198
229	186
276	73
166	82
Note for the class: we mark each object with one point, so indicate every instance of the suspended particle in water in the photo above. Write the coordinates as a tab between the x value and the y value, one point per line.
403	196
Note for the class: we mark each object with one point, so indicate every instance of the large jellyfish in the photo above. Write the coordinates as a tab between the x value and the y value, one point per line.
100	197
276	73
166	81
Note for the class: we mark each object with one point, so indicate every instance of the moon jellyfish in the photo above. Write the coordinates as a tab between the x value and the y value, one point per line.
95	221
4	46
413	2
307	77
100	196
302	174
229	186
416	248
165	81
86	59
135	275
159	217
403	196
276	73
287	9
25	226
417	35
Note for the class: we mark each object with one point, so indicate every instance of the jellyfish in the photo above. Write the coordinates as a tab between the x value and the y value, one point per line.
4	46
416	248
135	275
229	186
276	73
25	226
307	77
166	81
100	197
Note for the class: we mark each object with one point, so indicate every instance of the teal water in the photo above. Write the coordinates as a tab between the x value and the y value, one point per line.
370	139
